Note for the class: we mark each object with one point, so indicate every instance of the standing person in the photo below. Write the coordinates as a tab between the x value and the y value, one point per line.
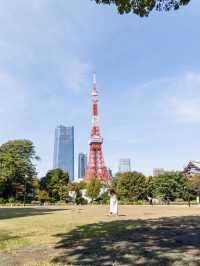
113	202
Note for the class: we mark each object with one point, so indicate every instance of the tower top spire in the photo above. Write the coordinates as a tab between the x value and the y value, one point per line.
94	88
94	77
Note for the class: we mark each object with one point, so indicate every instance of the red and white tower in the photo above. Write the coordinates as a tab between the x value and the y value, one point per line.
96	166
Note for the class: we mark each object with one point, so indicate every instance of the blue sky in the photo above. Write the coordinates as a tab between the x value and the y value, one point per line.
148	75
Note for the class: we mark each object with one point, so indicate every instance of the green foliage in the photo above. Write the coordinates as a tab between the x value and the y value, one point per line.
172	185
114	182
16	168
195	182
82	185
104	198
144	7
77	187
150	186
2	201
43	196
133	186
72	186
79	199
56	184
130	186
93	188
11	200
189	191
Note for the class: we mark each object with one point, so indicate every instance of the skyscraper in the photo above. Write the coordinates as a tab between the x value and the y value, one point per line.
82	164
124	165
64	150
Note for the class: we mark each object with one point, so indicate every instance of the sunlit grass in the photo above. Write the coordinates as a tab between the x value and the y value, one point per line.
38	228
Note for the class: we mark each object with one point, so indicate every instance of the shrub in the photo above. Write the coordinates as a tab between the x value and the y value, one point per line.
11	200
2	201
79	199
104	198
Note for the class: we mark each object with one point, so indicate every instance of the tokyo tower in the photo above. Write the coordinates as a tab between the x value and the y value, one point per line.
96	166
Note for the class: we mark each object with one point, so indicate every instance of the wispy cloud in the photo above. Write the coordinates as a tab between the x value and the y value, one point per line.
175	98
75	75
186	110
183	104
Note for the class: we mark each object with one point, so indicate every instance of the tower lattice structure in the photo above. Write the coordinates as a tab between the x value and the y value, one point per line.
96	166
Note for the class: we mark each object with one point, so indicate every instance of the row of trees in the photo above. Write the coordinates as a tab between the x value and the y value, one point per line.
169	186
18	181
130	187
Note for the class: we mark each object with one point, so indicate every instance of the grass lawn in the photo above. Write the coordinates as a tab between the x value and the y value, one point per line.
86	235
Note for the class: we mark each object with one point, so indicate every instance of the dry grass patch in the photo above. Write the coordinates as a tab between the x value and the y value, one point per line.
86	235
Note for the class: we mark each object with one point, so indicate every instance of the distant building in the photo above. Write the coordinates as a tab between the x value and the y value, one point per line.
82	164
158	171
124	165
64	150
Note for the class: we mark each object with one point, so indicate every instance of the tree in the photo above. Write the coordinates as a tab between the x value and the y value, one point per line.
195	181
79	198
77	188
93	188
188	191
55	183
144	7
104	198
170	186
82	185
43	196
150	186
17	169
130	186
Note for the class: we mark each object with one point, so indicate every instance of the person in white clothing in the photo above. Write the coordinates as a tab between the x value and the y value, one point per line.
113	203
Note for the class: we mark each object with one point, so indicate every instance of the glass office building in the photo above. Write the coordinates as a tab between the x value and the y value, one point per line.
124	165
82	164
64	150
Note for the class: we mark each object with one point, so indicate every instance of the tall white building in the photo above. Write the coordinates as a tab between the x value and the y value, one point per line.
124	165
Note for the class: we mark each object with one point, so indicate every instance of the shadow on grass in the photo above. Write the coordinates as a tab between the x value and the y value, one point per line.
8	213
6	237
165	241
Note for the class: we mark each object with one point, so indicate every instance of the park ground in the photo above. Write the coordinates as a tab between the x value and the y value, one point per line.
87	235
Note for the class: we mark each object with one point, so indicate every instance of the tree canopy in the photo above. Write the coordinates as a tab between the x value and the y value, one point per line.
55	183
130	186
93	188
17	169
195	181
144	7
168	186
134	186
